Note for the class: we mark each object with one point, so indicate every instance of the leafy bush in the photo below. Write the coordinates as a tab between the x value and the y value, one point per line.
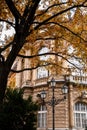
17	113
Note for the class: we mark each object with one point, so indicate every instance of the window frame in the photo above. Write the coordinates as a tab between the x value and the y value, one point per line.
80	115
42	72
42	117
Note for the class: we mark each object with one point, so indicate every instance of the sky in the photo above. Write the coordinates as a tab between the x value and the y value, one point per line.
5	32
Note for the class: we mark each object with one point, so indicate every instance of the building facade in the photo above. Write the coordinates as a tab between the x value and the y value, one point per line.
71	113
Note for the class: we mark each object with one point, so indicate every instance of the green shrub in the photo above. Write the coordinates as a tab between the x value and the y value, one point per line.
18	113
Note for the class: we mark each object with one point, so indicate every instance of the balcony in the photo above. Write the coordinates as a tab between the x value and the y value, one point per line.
78	79
43	81
72	78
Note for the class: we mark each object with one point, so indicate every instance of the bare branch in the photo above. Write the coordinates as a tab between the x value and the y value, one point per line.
30	12
18	71
59	13
13	9
45	11
50	53
67	30
10	23
32	56
42	65
48	38
6	46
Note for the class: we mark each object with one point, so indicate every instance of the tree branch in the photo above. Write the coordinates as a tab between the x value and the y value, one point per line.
53	38
42	65
59	13
48	38
30	12
32	56
13	9
10	23
51	7
67	30
50	53
5	47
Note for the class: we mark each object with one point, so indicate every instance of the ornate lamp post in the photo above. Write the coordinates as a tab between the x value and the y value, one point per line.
54	101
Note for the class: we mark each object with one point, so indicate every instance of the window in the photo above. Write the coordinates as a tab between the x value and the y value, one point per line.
42	71
80	115
42	116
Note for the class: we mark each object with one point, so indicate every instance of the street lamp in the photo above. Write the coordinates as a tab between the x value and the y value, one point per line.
54	101
43	94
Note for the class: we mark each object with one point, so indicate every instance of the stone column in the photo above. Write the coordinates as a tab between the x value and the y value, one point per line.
27	64
53	57
34	75
71	108
19	75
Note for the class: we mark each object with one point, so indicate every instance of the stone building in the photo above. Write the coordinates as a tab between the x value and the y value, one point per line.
71	113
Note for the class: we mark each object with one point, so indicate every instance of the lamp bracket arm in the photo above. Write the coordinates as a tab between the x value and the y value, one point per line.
57	101
49	103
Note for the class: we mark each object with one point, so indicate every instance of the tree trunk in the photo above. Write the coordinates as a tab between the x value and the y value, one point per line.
5	66
3	80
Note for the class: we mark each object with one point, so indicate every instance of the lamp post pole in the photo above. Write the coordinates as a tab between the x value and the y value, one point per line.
54	101
53	109
53	84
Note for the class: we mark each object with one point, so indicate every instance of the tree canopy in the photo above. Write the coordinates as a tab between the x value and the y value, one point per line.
33	21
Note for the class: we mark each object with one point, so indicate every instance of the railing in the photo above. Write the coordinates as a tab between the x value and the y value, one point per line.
72	78
78	79
43	81
27	83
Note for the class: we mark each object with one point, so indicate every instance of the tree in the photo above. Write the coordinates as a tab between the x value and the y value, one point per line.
86	128
35	20
18	113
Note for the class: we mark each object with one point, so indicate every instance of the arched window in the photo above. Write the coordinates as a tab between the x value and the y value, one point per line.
42	71
42	117
80	115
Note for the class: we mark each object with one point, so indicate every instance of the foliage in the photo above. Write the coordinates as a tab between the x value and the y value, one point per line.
61	21
18	113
